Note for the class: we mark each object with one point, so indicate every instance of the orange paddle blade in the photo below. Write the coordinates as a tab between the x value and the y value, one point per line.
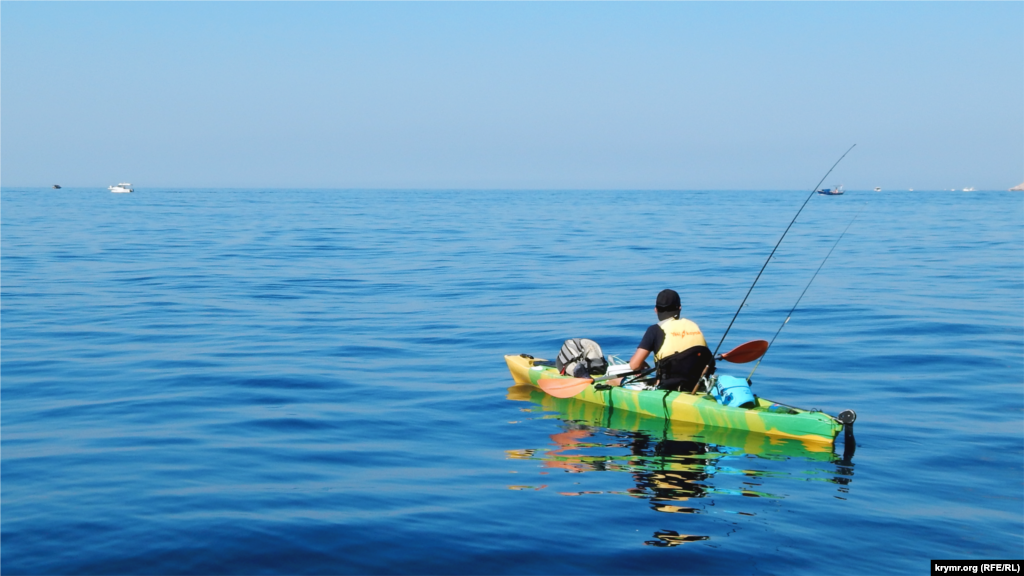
746	352
564	387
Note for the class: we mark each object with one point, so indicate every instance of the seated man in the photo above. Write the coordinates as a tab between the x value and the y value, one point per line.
679	347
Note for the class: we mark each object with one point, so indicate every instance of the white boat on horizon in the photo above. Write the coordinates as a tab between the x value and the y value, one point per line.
878	188
121	188
971	189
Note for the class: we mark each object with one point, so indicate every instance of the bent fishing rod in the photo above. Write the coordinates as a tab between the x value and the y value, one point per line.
793	309
777	247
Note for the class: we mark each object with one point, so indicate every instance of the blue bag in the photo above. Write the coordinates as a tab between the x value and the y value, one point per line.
733	391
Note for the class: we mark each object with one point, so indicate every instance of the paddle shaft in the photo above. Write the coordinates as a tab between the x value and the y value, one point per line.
744	350
569	387
777	247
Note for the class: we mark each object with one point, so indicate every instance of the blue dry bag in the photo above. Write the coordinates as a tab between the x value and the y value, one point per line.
733	391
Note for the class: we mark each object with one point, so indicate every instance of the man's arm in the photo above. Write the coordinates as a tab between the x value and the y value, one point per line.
635	364
637	361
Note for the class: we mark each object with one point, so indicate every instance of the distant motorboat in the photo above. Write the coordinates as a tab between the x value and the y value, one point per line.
877	189
832	191
56	186
971	189
121	188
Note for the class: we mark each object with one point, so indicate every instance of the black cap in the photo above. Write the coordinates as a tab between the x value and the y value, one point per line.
668	299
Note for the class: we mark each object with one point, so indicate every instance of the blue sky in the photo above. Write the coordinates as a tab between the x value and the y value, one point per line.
512	95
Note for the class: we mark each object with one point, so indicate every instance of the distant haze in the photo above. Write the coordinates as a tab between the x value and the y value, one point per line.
512	95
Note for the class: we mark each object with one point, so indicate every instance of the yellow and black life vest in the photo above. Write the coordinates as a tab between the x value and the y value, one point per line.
680	334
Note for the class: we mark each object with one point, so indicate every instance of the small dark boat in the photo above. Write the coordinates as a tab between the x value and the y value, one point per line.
56	186
832	191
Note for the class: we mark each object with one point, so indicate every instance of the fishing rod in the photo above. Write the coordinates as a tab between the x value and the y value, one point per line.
791	310
777	247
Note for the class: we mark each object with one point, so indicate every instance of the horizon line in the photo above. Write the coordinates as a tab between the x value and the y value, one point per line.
464	189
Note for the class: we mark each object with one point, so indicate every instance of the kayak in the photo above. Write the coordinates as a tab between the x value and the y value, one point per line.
725	440
766	417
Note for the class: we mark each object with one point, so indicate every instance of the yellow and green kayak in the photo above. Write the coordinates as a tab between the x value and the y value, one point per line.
598	415
767	417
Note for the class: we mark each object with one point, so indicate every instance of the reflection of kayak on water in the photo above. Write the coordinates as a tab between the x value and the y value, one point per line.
677	467
589	413
766	417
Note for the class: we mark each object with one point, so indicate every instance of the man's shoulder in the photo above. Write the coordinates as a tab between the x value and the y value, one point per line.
652	338
654	329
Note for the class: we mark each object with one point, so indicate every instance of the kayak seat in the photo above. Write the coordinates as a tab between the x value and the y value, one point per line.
682	370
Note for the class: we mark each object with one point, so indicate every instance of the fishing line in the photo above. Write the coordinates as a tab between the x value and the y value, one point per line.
777	247
791	310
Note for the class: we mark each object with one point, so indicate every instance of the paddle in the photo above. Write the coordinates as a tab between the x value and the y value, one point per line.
747	352
569	387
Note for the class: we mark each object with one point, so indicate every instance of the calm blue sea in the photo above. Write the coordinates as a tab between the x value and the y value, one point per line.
312	381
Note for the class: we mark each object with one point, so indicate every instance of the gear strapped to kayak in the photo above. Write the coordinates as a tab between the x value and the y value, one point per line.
580	357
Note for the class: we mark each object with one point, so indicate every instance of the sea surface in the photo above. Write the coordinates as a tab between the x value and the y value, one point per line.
312	382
